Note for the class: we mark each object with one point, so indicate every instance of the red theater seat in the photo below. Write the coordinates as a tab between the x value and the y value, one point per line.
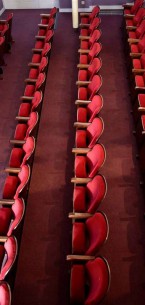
87	198
87	90
34	85
24	130
88	162
16	183
87	110
10	217
86	18
41	40
89	282
38	54
138	48
132	23
131	9
88	134
29	106
5	293
139	32
88	41
86	56
89	233
46	17
86	72
93	25
22	155
43	28
36	70
8	254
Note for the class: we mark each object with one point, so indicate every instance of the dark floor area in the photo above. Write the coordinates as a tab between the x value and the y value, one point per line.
43	273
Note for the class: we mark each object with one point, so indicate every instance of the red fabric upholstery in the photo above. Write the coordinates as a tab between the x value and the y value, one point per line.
31	88
141	100
43	31
87	198
36	58
140	47
78	238
11	249
24	176
41	42
26	108
88	137
22	131
10	186
2	253
134	8
5	219
94	107
4	28
140	80
143	121
87	93
98	280
18	209
45	20
93	68
94	51
34	72
92	15
93	25
20	156
139	63
5	294
137	18
89	165
77	284
87	44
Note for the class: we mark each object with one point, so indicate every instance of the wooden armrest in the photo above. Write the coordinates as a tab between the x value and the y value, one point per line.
30	80
45	15
79	215
12	170
84	14
3	239
40	25
138	71
131	27
37	50
28	98
133	40
84	25
34	65
72	257
80	180
83	51
81	125
129	16
82	102
141	109
7	201
139	88
135	55
80	150
17	142
84	37
22	118
83	66
83	83
40	37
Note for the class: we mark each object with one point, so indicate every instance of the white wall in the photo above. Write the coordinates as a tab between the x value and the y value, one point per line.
20	4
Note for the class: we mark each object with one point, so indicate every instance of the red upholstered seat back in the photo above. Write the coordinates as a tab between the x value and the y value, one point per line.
94	24
43	64
53	11
3	28
79	238
94	131
11	250
37	99
6	216
94	86
97	232
95	192
77	284
95	37
140	30
28	148
95	12
40	81
51	23
18	209
31	123
97	275
49	35
94	67
24	176
94	107
5	294
93	52
141	44
136	6
95	159
79	198
142	60
139	16
46	49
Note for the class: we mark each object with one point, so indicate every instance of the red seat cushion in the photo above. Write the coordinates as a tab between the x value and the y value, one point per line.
141	100
136	63
79	198
78	238
2	253
80	167
139	81
10	186
84	44
25	109
39	44
20	131
16	157
29	90
134	48
77	284
82	114
36	58
81	140
33	74
5	220
82	93
82	75
83	59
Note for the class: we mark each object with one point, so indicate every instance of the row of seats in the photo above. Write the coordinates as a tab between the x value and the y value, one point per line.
16	185
134	37
90	274
6	40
